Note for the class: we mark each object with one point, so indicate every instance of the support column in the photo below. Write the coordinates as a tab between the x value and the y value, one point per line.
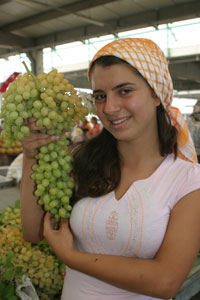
36	58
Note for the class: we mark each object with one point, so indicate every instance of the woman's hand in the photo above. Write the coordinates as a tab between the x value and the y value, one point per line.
35	139
61	240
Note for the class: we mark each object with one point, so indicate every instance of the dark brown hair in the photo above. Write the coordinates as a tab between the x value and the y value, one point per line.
97	162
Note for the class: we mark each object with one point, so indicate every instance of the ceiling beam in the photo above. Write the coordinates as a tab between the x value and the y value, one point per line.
185	85
113	26
163	15
186	71
10	40
53	14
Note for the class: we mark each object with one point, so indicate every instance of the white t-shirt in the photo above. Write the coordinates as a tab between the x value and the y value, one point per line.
133	226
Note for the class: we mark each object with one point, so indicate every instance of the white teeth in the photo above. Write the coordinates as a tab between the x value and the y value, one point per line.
119	121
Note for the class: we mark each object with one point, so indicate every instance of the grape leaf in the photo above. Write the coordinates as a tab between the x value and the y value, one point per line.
12	298
43	242
17	204
8	260
2	289
10	291
8	274
1	218
18	272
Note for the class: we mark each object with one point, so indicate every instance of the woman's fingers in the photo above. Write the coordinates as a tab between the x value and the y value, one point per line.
47	223
31	123
34	141
64	224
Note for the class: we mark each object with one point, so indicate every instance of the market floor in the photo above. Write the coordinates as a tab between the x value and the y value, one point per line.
8	196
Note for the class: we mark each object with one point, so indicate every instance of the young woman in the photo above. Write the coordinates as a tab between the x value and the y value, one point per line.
134	231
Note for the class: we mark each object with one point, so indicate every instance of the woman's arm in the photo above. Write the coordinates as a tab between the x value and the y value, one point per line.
160	277
32	213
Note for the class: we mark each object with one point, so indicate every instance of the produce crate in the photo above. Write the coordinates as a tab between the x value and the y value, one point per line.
191	285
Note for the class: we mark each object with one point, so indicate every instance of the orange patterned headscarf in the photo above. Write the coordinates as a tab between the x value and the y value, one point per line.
149	60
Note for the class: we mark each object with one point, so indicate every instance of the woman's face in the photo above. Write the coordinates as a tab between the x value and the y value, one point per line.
125	103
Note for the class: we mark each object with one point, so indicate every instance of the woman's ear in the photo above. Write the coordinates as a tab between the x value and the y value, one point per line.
157	99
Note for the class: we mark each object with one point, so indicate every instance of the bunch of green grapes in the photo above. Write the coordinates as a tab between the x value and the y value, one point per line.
11	216
54	103
45	271
51	173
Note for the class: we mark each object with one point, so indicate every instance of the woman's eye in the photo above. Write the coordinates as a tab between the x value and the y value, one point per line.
125	91
99	98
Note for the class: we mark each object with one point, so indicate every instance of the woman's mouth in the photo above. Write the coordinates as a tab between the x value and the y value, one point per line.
120	122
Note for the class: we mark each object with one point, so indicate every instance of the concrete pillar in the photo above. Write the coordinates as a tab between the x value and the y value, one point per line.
36	58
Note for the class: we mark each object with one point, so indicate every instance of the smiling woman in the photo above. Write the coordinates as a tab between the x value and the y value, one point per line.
125	103
136	200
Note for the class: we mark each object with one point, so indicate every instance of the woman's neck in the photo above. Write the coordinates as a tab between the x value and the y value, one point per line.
139	154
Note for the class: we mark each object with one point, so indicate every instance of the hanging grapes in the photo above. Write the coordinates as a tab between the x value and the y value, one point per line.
55	104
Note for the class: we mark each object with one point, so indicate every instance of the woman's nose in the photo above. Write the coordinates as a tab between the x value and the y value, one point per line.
112	105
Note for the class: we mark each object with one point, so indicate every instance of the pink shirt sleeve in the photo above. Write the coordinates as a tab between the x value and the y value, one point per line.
189	182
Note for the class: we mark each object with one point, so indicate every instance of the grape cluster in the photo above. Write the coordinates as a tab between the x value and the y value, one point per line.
11	216
56	106
43	270
51	174
38	261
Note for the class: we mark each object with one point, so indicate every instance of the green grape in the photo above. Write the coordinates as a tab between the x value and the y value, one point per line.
39	122
20	107
19	136
25	130
52	191
45	182
47	157
47	174
53	155
46	122
63	212
19	121
44	111
13	115
23	114
37	104
11	107
54	165
34	93
26	95
65	200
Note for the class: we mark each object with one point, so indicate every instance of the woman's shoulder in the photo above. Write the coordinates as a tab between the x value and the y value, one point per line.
176	172
187	166
180	163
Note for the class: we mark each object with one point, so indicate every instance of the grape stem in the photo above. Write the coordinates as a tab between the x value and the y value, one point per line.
30	73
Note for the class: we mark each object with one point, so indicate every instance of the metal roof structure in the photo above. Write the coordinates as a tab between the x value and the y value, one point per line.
31	24
27	25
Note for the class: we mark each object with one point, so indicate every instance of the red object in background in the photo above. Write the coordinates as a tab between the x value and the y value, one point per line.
5	84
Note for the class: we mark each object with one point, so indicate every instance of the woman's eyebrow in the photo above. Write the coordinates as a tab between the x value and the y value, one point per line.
122	85
97	91
115	87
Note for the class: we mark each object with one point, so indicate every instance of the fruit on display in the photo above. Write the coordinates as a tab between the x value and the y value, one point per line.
57	107
14	149
18	258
